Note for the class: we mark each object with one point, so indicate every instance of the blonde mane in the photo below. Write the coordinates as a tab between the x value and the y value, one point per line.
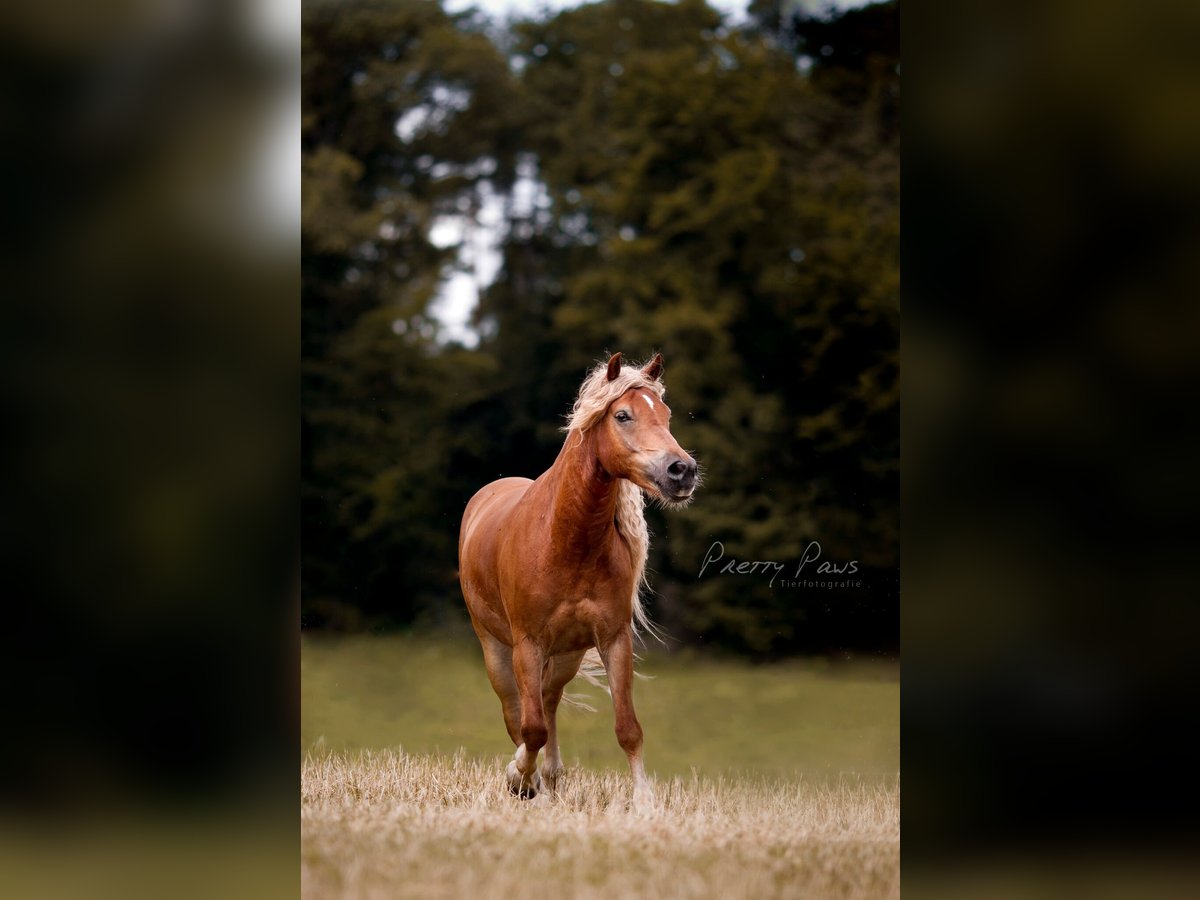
595	395
597	392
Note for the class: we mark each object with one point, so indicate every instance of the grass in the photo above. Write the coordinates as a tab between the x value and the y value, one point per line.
387	824
809	720
771	781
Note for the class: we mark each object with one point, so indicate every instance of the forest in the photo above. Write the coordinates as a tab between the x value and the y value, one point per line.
629	176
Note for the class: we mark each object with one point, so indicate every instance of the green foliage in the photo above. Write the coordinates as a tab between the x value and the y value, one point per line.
382	404
724	195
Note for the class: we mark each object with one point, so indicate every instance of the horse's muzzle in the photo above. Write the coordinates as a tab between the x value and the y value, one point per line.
678	478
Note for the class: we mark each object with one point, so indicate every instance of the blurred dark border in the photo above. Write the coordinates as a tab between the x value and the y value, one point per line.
1051	188
148	382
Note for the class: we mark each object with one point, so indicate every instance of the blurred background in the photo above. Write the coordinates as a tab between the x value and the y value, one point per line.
495	198
1051	358
148	331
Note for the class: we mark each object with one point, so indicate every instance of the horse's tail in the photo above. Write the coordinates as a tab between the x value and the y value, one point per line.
591	670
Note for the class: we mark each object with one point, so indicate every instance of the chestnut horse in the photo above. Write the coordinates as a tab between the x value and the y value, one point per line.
552	568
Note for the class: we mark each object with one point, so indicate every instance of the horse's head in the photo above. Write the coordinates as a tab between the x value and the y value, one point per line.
633	437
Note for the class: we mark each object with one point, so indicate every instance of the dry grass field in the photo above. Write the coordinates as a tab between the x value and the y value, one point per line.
385	824
772	781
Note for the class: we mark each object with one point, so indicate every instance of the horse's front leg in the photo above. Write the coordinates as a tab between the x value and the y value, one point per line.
523	777
618	664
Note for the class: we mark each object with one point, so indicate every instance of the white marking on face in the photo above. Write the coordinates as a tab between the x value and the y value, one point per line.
648	400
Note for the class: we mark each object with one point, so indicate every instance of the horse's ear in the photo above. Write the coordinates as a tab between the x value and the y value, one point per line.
614	367
654	368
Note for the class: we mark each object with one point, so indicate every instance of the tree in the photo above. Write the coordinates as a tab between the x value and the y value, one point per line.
727	195
405	114
710	200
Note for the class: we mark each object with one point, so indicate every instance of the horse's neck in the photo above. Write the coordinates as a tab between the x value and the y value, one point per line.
584	500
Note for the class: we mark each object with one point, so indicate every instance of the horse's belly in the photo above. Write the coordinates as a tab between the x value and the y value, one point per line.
569	636
576	624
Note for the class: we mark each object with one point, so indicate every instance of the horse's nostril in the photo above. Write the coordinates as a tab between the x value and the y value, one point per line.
679	468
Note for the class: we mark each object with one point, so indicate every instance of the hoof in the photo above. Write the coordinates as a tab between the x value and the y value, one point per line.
524	788
644	801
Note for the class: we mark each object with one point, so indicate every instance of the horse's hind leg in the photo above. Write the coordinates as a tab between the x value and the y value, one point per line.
558	671
497	658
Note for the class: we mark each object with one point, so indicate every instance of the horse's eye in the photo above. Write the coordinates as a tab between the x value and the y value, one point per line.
623	416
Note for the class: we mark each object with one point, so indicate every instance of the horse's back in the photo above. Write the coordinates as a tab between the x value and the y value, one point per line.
491	502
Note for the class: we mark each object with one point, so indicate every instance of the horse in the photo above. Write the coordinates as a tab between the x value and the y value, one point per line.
552	570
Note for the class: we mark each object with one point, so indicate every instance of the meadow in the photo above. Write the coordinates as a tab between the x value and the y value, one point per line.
778	780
